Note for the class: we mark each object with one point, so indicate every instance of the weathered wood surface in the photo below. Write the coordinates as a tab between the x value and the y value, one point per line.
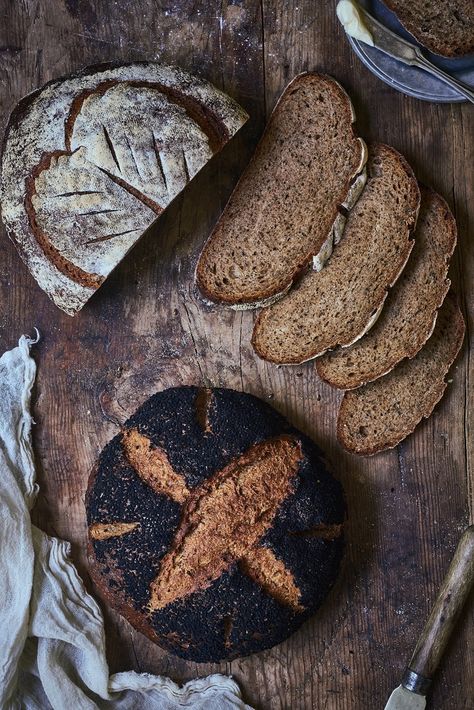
146	330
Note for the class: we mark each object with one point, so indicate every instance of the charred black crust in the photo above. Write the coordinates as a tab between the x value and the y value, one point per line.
197	627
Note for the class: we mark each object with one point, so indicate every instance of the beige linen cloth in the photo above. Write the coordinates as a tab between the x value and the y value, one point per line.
52	644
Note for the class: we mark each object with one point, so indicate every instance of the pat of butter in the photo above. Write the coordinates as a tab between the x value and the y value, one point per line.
351	19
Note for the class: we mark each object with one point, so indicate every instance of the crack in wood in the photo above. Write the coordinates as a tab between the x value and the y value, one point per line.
196	353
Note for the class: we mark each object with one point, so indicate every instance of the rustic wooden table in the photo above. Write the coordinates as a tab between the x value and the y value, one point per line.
146	329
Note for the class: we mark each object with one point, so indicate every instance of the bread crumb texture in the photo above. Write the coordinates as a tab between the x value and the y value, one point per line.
380	414
284	206
337	305
410	311
445	27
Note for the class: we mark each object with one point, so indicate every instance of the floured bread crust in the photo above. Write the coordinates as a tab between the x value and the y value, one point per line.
91	160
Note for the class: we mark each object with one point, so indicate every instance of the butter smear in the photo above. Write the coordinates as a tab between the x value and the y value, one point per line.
351	19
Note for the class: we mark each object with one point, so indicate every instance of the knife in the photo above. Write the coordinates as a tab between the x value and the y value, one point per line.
390	43
410	695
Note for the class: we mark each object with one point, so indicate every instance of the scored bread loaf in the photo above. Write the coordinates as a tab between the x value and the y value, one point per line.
381	414
289	204
445	27
337	305
215	527
90	161
409	314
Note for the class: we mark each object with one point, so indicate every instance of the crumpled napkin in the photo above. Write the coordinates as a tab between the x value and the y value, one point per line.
52	643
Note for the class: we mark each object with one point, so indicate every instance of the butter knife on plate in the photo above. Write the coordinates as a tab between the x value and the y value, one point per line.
411	694
393	45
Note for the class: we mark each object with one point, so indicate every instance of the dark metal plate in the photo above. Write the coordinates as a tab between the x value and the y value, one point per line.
411	80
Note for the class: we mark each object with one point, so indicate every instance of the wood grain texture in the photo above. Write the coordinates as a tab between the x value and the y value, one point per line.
147	329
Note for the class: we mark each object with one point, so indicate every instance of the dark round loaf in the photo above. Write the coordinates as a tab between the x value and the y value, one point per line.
215	527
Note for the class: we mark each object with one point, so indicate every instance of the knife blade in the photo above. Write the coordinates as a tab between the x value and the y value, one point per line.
390	43
410	695
398	48
403	699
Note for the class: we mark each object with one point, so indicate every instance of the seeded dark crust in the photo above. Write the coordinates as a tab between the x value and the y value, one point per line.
445	27
201	432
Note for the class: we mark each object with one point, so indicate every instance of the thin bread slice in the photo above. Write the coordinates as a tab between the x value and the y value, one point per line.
282	212
445	27
337	305
411	308
380	414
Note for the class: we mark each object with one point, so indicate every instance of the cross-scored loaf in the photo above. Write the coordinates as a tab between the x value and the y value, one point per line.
214	526
337	305
91	160
379	415
289	204
410	311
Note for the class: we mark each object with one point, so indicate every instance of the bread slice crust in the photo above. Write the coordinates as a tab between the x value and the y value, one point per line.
379	415
258	271
339	304
448	32
410	311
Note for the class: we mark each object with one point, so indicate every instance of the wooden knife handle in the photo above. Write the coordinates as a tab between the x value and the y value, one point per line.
438	628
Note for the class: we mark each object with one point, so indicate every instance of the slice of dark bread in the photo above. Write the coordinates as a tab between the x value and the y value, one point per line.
411	308
215	527
445	27
380	414
283	209
337	305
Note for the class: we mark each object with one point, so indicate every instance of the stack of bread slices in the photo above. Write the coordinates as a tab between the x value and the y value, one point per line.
348	256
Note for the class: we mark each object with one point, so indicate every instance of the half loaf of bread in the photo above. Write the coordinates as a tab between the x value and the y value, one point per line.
286	206
411	308
444	26
337	305
90	161
380	414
